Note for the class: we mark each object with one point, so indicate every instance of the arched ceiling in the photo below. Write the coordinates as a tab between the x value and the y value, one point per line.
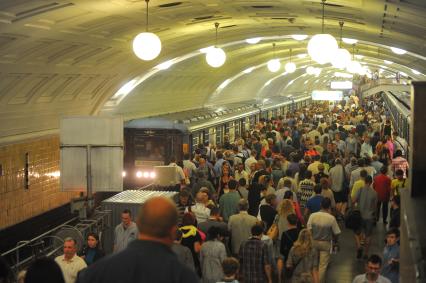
71	57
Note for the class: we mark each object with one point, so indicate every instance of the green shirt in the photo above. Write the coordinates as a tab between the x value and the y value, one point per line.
228	204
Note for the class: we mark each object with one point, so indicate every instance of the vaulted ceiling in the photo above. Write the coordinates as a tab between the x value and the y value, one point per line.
72	57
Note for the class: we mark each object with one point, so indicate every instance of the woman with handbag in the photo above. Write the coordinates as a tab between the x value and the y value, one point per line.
302	263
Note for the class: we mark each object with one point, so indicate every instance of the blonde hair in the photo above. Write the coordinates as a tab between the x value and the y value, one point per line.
286	208
303	244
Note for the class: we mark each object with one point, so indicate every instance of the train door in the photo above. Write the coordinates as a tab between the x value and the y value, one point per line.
231	131
212	136
219	133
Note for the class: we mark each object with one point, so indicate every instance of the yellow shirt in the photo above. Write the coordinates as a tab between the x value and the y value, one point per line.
356	187
396	185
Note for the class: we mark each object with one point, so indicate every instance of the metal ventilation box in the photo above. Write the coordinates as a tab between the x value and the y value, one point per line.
130	199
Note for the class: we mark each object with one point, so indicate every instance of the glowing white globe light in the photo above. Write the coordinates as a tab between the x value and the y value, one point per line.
139	174
215	57
145	174
354	67
341	58
290	67
322	48
317	71
274	65
147	46
310	70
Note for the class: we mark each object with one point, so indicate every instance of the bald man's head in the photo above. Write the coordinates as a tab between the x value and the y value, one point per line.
158	218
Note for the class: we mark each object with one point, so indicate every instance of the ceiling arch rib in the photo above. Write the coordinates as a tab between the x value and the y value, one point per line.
47	43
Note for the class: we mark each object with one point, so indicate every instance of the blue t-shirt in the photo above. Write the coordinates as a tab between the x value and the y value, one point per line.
90	256
314	203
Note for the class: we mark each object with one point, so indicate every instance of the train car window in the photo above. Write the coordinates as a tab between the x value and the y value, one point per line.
148	149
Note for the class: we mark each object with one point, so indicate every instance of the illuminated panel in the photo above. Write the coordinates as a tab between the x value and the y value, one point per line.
341	85
331	95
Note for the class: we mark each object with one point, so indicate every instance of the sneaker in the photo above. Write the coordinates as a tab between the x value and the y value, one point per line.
359	253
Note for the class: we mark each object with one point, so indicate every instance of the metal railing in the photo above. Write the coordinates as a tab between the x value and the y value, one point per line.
50	243
378	82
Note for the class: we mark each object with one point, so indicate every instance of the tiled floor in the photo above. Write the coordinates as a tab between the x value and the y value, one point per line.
344	265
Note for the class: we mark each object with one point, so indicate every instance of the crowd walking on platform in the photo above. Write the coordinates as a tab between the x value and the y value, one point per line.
267	205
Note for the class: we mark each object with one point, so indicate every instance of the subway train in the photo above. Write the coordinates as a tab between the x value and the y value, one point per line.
152	142
400	112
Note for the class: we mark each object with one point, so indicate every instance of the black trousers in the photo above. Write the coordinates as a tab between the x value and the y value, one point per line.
385	210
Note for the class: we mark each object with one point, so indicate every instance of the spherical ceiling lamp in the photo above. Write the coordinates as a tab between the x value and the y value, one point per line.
354	67
322	48
147	45
274	65
310	70
215	57
341	59
290	67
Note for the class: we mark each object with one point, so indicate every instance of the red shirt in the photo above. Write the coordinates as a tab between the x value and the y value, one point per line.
382	185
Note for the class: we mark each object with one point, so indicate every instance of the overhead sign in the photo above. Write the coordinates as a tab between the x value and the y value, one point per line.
331	95
341	85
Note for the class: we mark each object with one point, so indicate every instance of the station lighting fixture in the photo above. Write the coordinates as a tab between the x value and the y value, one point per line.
253	40
349	40
290	67
317	71
354	67
139	174
387	62
398	51
341	85
299	36
147	45
249	70
165	65
415	72
322	47
342	57
123	174
310	70
215	56
301	56
343	75
274	64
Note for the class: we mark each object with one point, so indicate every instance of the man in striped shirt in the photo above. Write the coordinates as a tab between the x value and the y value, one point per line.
399	162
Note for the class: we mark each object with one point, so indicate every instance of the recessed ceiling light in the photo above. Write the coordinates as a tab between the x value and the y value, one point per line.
299	36
206	49
248	71
359	56
387	62
303	55
415	72
403	74
268	83
384	67
398	51
253	40
165	65
224	84
349	40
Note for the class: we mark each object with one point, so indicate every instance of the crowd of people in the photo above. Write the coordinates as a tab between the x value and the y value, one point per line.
267	206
